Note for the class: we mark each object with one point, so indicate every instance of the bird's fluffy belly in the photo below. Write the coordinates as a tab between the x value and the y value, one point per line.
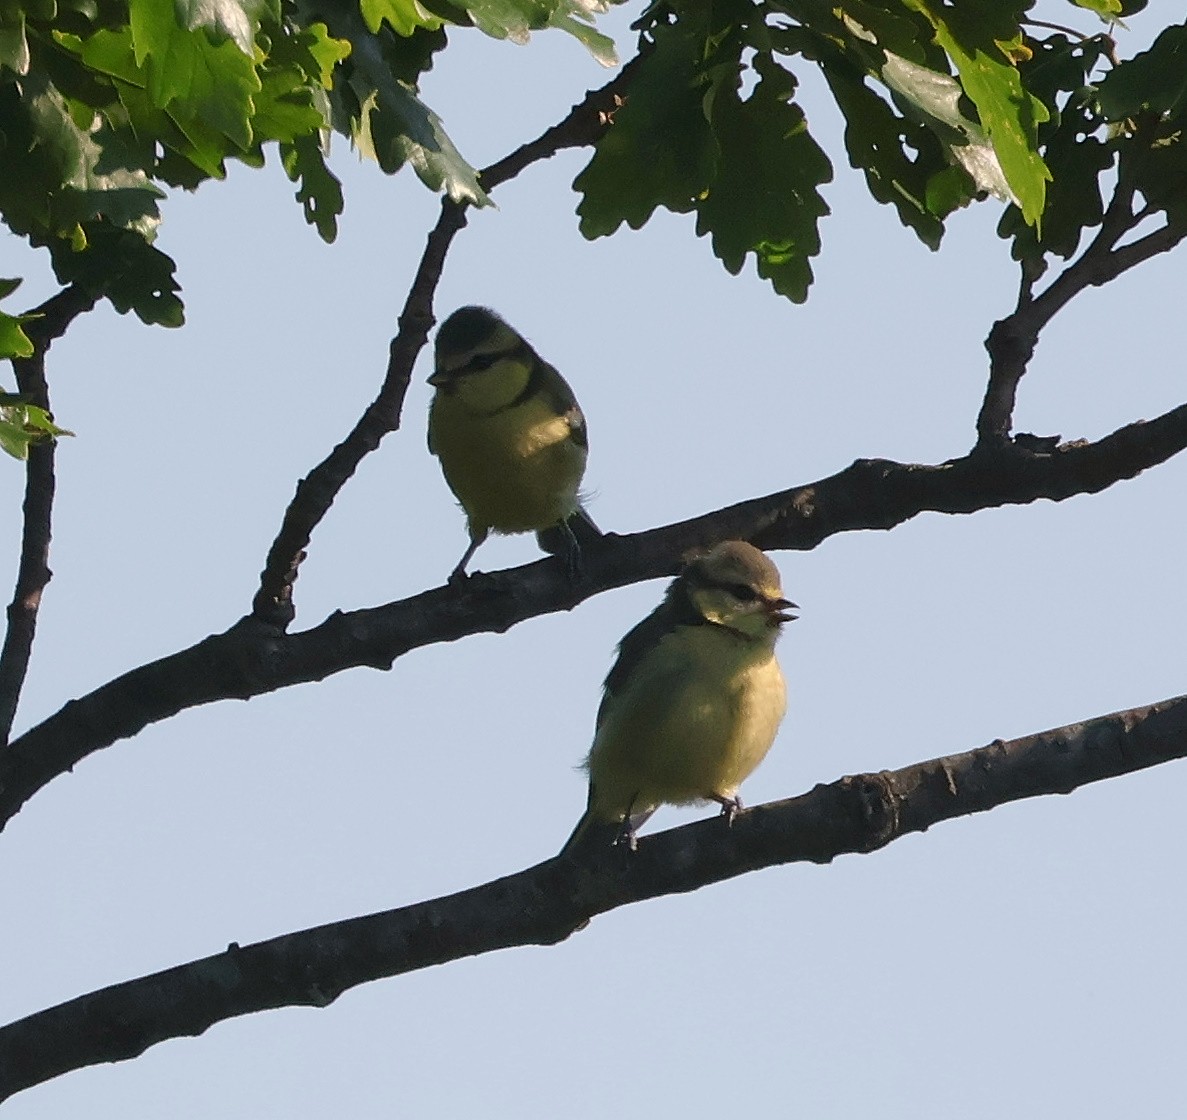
511	472
688	727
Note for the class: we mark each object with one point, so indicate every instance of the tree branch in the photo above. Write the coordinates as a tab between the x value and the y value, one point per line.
548	902
1011	342
252	658
273	602
33	573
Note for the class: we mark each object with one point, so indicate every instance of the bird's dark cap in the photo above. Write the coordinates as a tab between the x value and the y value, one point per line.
466	327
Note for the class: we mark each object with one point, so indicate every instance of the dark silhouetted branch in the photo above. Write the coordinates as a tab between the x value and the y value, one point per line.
549	902
52	319
252	658
1012	341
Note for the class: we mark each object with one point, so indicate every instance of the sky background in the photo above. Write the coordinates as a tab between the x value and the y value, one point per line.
1025	962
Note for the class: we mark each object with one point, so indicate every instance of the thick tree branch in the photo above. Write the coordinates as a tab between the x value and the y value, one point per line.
33	573
252	658
273	603
549	902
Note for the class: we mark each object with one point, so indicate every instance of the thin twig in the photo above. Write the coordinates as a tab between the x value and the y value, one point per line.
551	901
252	658
316	493
1069	31
33	573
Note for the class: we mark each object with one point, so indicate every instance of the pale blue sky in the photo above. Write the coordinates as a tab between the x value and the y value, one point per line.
1027	962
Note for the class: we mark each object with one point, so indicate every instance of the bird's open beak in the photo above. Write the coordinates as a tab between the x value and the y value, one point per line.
777	610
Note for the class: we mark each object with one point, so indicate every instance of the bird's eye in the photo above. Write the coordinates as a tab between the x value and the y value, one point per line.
482	361
743	592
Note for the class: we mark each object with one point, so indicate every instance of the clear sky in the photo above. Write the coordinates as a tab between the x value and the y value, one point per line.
1027	962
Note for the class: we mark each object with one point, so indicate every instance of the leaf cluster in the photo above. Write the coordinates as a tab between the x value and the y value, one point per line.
943	103
1113	124
105	104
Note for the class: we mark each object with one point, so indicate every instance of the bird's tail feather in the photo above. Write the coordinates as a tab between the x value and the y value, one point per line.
593	832
555	541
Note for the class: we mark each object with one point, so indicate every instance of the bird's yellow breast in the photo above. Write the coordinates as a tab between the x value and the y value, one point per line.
514	469
698	714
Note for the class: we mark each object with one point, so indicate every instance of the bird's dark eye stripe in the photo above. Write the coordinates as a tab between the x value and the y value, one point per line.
488	358
743	592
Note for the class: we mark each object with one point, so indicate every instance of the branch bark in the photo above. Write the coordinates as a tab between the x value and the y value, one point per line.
252	657
1011	342
548	902
33	573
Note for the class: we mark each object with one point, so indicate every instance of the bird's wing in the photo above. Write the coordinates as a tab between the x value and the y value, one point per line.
638	643
559	396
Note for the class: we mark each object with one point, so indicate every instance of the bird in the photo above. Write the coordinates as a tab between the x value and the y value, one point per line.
510	436
694	699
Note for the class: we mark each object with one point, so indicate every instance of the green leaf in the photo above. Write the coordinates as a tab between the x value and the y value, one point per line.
98	170
320	192
906	156
14	343
1154	81
403	16
23	424
1059	72
516	19
973	35
196	79
599	45
227	19
284	107
764	199
13	438
395	127
129	272
323	51
876	139
14	46
660	150
935	99
688	141
1106	9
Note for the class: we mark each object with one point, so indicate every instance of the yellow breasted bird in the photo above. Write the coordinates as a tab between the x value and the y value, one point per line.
693	701
509	433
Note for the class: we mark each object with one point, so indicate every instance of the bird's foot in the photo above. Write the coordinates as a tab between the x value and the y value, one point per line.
730	807
626	837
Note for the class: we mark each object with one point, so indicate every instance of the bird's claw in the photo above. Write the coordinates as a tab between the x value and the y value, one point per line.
730	808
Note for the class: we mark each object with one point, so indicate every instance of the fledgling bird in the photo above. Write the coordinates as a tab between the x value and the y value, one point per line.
693	701
510	435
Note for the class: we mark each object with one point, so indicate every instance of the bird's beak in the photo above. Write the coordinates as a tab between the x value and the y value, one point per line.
777	610
439	377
